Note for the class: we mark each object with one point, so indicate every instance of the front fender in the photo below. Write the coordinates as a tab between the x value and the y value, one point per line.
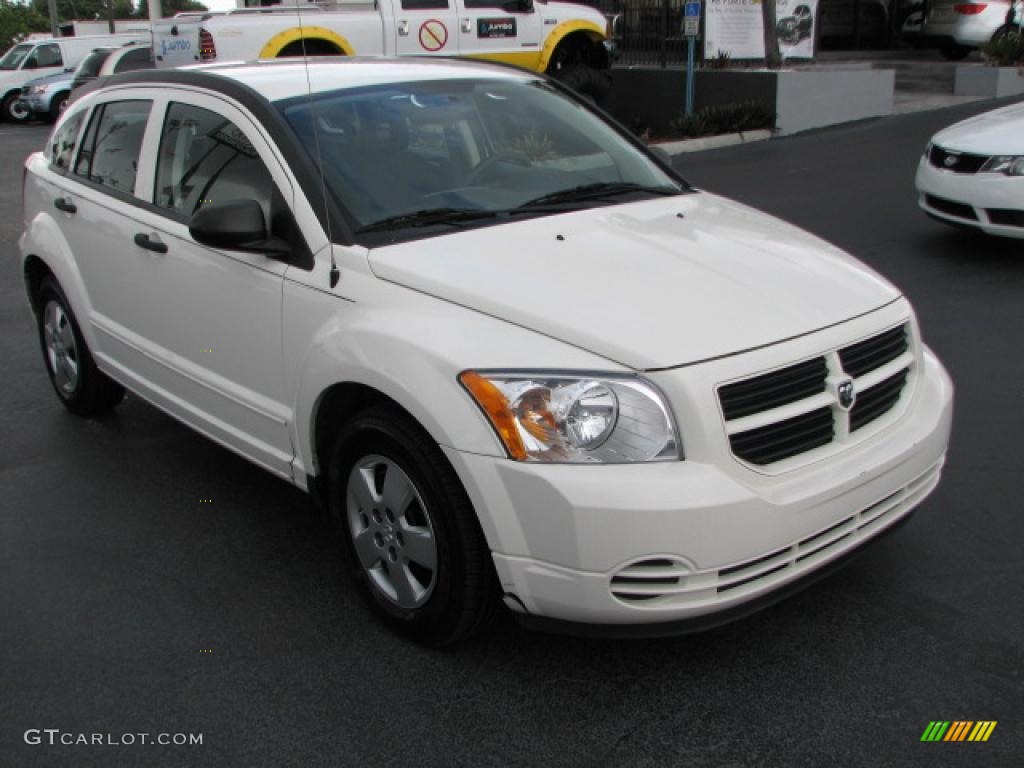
563	30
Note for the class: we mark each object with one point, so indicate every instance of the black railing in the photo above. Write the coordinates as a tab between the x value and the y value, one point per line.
647	32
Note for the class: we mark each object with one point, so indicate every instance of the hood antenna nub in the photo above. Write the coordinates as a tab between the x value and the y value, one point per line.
335	274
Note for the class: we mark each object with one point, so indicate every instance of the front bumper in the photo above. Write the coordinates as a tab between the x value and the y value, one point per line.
660	543
972	199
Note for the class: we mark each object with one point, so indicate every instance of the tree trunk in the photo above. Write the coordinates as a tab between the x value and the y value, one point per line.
772	56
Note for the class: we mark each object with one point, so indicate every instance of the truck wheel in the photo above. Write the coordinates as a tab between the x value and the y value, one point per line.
14	109
593	84
57	105
81	386
409	534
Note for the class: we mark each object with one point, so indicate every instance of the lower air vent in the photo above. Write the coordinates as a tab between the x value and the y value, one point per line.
950	207
1006	217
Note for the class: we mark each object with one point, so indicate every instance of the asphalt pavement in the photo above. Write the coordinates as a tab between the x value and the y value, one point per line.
151	582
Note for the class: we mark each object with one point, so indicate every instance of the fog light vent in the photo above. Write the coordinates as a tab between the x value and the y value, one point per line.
649	579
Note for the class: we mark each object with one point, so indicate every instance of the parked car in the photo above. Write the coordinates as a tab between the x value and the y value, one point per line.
512	352
111	60
957	28
792	29
45	97
972	173
45	56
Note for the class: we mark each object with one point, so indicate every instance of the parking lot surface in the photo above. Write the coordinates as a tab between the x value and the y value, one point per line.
152	582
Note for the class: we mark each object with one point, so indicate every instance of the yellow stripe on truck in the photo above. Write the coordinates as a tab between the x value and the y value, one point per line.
278	42
524	59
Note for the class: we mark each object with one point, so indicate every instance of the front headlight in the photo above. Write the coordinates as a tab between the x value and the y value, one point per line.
1010	165
39	90
575	418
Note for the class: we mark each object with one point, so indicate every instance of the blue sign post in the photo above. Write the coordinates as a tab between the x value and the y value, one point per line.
691	28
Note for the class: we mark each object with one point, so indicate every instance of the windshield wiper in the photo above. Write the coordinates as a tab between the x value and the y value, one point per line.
428	217
597	191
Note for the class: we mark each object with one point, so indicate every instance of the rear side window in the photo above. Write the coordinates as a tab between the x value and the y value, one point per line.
139	58
203	158
62	145
110	147
91	64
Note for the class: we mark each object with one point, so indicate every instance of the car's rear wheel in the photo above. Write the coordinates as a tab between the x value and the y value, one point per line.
409	534
14	109
79	384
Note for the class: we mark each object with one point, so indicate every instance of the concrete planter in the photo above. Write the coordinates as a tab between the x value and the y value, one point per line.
988	82
803	98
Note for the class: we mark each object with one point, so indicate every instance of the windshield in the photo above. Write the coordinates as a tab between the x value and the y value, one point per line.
451	151
91	64
13	58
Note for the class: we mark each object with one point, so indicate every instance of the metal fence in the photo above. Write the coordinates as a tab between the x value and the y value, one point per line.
647	32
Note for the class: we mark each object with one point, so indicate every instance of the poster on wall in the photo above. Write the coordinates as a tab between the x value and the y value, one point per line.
735	28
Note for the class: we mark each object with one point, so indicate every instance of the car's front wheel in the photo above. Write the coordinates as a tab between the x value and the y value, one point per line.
81	386
57	106
409	534
14	109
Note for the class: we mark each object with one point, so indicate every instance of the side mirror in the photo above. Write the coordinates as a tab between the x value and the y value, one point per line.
237	225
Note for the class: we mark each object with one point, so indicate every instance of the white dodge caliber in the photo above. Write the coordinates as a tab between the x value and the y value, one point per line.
513	354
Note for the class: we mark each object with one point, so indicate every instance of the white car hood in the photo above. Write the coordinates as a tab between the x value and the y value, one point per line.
999	132
640	286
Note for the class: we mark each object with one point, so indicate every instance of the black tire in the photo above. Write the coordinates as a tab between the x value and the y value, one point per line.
90	392
954	52
462	594
592	84
14	110
57	106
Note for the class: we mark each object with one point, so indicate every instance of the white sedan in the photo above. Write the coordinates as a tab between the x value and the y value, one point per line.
972	173
512	352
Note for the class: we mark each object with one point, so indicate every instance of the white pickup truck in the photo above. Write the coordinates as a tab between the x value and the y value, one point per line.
566	40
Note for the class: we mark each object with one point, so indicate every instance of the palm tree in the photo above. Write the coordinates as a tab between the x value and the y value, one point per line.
772	55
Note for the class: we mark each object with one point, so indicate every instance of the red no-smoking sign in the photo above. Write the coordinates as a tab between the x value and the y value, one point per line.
433	35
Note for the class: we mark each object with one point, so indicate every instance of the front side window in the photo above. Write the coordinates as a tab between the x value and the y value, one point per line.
110	148
62	145
205	158
13	58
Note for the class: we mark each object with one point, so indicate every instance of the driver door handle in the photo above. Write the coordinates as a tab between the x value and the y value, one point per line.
65	204
143	241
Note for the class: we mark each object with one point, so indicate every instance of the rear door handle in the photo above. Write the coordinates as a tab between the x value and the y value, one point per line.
64	204
143	241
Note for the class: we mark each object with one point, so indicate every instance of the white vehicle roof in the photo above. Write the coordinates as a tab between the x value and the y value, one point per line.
282	79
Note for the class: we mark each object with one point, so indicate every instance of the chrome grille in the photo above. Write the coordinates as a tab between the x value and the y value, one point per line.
782	414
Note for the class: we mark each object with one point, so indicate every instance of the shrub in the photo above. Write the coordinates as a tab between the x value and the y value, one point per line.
725	118
1006	49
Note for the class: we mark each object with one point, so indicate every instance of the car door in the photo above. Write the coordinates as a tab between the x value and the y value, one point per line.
215	315
425	27
508	31
196	330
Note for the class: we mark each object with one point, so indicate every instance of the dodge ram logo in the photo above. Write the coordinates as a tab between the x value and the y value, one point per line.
847	395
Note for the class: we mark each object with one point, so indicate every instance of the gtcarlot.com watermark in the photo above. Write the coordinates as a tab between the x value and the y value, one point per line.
56	737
